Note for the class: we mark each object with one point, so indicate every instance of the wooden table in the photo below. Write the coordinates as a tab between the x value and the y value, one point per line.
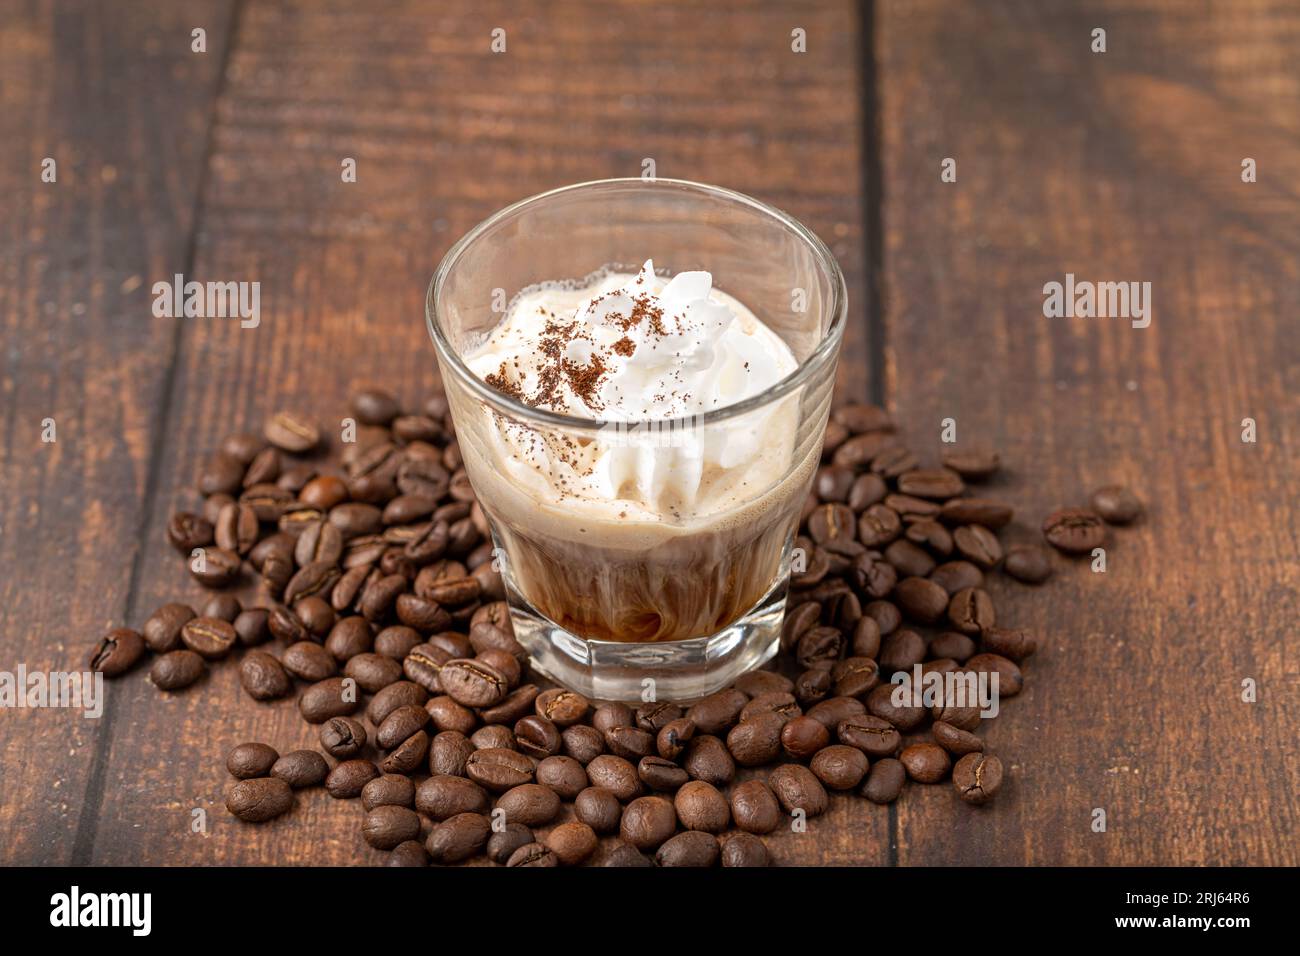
1115	166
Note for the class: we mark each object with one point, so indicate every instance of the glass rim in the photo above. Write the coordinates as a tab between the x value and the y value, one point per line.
502	402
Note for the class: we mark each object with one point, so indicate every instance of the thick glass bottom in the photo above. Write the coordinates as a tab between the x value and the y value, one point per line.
676	671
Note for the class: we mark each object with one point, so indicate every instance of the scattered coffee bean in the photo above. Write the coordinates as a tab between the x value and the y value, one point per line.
977	777
1074	530
259	799
1028	563
301	768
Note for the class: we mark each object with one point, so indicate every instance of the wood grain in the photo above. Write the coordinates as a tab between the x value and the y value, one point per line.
1117	166
113	94
443	133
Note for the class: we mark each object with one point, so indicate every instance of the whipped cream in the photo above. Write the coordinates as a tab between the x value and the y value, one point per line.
626	349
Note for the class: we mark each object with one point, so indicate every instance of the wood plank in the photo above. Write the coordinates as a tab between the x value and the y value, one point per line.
116	97
444	133
1117	166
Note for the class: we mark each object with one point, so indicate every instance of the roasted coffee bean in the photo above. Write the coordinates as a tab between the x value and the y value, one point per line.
672	739
263	677
373	672
797	622
971	611
308	661
493	735
1116	504
781	703
318	541
246	761
855	676
324	492
834	436
832	710
977	777
660	774
499	769
395	642
934	483
864	641
921	599
564	775
615	775
831	523
448	753
408	755
1028	563
410	428
833	483
252	626
707	758
374	406
700	806
932	535
759	682
743	850
1010	680
356	519
912	508
237	528
393	696
1074	530
472	683
797	788
572	842
803	736
408	854
379	595
387	826
517	704
449	715
421	613
408	509
885	614
562	707
290	432
813	685
978	545
878	525
894	462
900	651
630	743
820	647
242	446
952	645
269	502
534	854
690	849
1013	643
351	636
259	799
423	664
925	762
443	797
754	807
537	737
294	477
277	571
839	767
162	631
909	559
317	578
400	724
301	768
598	808
215	567
332	697
953	739
316	615
458	838
953	576
502	844
221	474
884	781
226	607
210	637
423	476
982	511
176	670
975	464
647	822
858	417
349	778
531	804
342	737
286	626
872	735
859	451
867	489
880	704
116	652
757	740
187	531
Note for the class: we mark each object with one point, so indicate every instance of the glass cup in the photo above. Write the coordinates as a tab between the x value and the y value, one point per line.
681	601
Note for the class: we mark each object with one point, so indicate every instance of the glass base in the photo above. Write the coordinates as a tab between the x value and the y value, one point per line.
677	671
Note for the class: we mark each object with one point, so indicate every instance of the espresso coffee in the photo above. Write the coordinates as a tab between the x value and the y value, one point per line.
626	532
